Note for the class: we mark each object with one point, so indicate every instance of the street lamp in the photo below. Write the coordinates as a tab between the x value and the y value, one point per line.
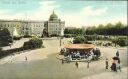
60	41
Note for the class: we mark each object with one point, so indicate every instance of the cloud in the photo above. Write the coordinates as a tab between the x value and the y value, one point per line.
4	15
42	13
84	17
80	18
89	11
46	8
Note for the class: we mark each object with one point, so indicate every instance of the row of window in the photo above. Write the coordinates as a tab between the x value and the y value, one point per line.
55	32
11	25
54	28
6	25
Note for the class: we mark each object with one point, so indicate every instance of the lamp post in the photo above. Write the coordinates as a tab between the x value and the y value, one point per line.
60	41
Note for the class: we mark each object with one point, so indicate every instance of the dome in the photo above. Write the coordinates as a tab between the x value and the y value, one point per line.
53	16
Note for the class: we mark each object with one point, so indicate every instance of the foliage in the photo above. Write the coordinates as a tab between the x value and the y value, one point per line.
70	35
90	37
31	44
0	49
67	35
27	36
5	37
97	53
79	39
35	42
109	29
54	35
74	31
121	41
16	38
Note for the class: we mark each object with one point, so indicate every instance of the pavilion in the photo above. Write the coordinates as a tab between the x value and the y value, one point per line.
79	47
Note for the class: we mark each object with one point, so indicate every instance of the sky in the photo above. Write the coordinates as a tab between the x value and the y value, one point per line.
75	13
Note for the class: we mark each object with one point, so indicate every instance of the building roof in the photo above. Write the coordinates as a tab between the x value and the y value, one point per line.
53	17
18	20
79	46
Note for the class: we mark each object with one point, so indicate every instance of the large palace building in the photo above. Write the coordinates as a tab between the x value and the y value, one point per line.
53	26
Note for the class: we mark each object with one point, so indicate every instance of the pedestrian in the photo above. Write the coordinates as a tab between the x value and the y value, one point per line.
117	54
114	67
106	62
118	60
76	64
88	62
62	61
60	41
10	45
119	66
26	58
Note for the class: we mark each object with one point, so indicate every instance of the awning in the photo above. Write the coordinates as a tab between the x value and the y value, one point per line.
79	46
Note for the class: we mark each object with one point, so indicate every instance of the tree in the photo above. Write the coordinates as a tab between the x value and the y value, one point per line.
35	42
109	29
0	49
5	37
79	39
74	31
121	41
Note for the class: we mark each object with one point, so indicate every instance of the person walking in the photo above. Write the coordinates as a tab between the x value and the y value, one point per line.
26	58
119	66
10	45
76	64
88	62
106	62
117	54
62	61
114	67
118	60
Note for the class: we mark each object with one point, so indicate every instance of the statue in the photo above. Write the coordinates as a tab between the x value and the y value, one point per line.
15	33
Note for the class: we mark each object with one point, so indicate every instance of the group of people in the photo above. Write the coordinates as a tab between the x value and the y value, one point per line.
81	54
116	65
75	55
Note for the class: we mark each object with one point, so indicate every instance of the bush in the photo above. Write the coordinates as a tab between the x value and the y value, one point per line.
0	49
121	41
27	36
97	53
33	43
67	35
16	38
5	37
79	39
4	53
90	37
54	35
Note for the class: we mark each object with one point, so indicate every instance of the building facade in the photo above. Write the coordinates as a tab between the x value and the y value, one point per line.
23	27
53	26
